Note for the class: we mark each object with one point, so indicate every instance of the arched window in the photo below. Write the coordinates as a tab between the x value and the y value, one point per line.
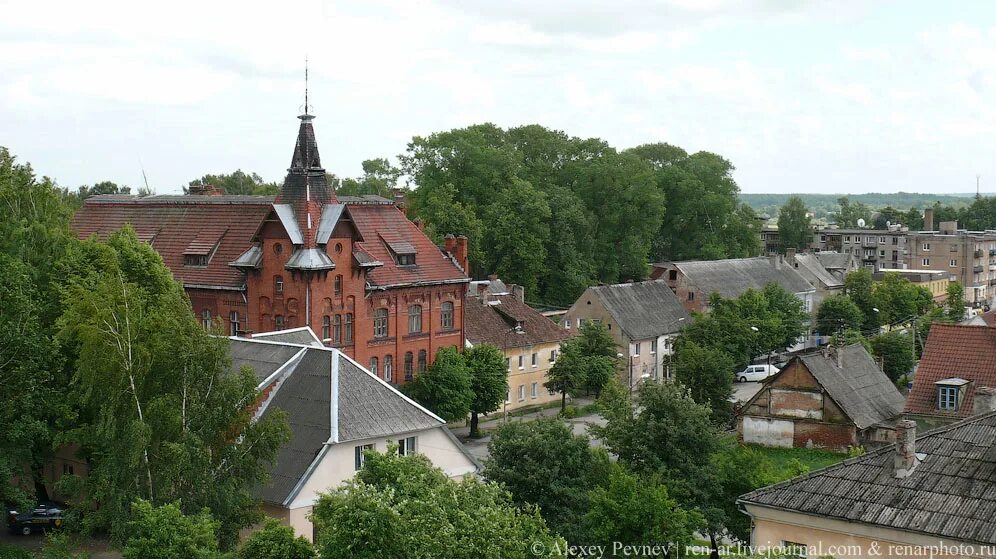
326	327
446	316
206	319
337	329
380	323
388	368
278	285
278	322
347	334
409	367
421	360
338	285
415	319
373	365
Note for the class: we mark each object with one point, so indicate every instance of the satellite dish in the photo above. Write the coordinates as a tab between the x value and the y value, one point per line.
861	222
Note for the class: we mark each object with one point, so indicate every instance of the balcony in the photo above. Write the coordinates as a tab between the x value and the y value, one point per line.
869	244
979	253
978	269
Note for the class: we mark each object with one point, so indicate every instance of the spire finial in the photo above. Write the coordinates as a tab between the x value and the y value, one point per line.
306	112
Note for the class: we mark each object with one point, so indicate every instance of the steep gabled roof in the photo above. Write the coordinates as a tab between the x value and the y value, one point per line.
221	227
365	406
859	387
951	493
381	225
303	336
811	268
642	310
952	350
494	323
733	276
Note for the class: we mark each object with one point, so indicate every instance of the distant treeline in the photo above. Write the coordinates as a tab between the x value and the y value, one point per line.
824	205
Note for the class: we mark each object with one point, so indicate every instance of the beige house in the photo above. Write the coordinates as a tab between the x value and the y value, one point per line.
968	256
336	410
498	316
935	281
930	496
643	318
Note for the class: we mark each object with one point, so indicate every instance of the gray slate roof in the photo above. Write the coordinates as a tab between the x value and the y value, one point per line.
860	388
950	494
303	336
810	268
367	407
835	260
642	310
733	276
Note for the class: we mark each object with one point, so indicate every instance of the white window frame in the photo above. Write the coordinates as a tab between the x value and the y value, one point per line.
534	391
522	362
947	398
926	246
407	446
926	262
534	361
522	392
358	458
636	349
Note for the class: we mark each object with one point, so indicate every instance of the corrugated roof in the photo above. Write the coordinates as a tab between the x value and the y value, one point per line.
172	223
951	494
732	277
493	324
645	309
860	388
953	350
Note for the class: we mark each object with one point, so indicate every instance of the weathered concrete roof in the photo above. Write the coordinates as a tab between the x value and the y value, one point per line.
733	276
642	310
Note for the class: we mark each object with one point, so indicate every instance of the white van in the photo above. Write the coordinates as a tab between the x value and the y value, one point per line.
756	373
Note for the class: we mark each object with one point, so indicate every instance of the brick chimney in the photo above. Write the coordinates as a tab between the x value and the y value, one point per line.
449	244
461	255
928	219
790	255
905	460
776	261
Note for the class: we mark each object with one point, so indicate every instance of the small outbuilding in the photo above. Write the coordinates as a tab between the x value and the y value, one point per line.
831	399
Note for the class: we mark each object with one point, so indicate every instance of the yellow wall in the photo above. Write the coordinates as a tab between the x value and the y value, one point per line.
528	375
829	537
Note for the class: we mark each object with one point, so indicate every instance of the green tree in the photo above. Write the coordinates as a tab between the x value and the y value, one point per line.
859	286
954	304
164	532
895	349
851	213
838	312
632	511
489	381
516	236
586	362
732	470
543	463
275	541
238	183
446	387
900	301
794	227
60	545
708	372
379	178
567	375
162	416
402	507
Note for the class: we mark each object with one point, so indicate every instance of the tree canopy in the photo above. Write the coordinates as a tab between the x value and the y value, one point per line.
488	381
446	387
794	228
403	507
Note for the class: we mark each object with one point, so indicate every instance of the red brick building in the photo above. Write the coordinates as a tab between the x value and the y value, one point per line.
354	269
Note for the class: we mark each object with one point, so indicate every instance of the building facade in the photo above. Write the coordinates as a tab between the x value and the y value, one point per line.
968	256
935	281
529	340
643	318
353	269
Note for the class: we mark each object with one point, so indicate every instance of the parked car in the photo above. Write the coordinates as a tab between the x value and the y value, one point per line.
45	516
756	373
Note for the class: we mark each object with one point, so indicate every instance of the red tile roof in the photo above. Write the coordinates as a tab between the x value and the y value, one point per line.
176	225
953	351
493	324
382	224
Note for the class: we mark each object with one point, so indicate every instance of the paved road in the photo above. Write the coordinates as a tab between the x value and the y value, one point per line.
743	391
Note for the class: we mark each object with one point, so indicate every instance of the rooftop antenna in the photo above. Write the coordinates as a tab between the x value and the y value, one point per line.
307	107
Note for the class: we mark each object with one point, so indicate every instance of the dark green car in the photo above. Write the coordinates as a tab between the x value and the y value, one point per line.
45	516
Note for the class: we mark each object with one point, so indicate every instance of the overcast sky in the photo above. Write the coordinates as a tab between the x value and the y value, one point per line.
840	96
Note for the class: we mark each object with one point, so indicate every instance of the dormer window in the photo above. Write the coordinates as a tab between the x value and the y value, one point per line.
403	252
199	260
406	260
950	393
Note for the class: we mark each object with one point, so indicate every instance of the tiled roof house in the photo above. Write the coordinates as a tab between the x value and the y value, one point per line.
956	376
336	409
353	269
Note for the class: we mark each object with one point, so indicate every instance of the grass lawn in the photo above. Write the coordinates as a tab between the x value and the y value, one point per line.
784	459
